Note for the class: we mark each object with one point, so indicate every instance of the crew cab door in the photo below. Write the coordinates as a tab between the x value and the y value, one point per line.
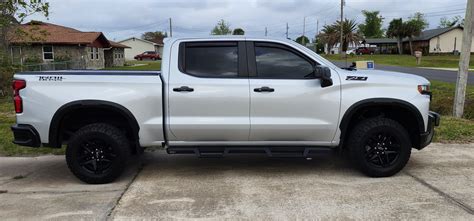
208	93
286	102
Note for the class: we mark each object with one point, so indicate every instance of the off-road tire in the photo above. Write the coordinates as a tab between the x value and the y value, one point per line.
362	138
104	137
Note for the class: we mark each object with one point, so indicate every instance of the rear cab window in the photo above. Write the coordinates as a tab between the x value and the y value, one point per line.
211	59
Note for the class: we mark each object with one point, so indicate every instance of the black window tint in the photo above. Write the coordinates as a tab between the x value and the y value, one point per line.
278	63
212	61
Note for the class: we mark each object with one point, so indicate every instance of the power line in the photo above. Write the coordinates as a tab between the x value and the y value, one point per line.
138	27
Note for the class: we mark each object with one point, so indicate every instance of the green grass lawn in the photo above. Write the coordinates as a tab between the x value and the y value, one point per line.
438	61
139	66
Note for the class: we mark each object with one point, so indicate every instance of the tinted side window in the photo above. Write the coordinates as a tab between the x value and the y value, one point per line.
211	60
279	63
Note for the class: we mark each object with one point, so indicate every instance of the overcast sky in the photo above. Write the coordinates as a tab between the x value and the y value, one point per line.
120	19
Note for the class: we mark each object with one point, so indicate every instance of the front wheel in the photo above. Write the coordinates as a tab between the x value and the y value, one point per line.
97	153
379	147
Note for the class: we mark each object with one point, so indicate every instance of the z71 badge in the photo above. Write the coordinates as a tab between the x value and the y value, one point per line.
50	78
356	78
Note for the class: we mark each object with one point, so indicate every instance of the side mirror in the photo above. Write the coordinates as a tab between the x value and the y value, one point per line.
323	73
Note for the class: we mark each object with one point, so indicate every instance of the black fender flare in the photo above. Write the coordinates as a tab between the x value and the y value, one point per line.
349	114
54	128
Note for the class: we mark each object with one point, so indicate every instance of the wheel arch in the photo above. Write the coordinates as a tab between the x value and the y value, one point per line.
56	125
351	114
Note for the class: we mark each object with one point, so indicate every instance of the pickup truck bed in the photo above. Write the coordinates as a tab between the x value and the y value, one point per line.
138	94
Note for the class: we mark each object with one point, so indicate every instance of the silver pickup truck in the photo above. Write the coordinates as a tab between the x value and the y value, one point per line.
219	96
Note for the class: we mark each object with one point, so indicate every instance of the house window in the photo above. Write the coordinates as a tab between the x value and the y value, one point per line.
118	55
48	53
94	53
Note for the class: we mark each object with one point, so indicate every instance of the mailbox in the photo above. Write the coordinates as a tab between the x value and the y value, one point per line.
365	64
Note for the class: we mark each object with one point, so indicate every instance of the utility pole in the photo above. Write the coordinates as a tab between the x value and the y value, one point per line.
342	29
171	29
461	81
317	27
304	30
316	37
266	31
287	30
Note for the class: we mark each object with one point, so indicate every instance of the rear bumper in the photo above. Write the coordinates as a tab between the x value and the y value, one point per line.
426	137
25	135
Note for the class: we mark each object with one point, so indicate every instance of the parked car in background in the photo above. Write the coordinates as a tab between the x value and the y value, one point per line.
364	50
148	55
351	51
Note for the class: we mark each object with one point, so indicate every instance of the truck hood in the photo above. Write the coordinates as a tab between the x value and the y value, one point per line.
379	76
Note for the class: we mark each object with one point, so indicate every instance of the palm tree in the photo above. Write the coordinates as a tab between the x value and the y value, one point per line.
397	30
349	30
411	30
328	36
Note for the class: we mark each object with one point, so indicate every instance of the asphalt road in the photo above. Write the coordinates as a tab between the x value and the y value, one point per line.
430	74
437	184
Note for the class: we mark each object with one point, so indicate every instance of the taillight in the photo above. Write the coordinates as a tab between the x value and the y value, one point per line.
17	85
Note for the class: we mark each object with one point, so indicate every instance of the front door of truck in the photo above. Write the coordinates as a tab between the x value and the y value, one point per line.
286	102
208	96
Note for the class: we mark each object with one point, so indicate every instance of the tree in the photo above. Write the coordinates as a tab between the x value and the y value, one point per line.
419	21
372	28
349	34
12	14
301	38
411	30
444	22
328	36
396	30
222	28
331	34
238	31
156	36
414	27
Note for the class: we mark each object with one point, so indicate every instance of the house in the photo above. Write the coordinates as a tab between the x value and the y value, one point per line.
48	44
440	40
137	46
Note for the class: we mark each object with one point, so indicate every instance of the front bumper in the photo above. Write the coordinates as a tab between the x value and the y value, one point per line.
25	135
426	137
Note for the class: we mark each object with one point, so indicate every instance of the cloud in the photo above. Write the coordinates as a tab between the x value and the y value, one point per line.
120	19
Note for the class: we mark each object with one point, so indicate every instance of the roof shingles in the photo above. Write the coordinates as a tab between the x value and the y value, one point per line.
47	33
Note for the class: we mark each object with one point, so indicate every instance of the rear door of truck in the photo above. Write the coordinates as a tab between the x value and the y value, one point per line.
209	92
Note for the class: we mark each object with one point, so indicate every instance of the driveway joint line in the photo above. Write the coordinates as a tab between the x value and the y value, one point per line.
111	211
446	196
60	192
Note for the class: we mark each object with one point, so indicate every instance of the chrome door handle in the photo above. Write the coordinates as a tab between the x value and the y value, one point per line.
264	89
183	89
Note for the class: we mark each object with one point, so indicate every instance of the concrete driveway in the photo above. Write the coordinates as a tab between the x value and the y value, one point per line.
438	183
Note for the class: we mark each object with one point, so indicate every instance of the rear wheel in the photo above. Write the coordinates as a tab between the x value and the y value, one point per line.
97	153
379	147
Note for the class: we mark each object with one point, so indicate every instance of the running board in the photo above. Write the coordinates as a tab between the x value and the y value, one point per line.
281	152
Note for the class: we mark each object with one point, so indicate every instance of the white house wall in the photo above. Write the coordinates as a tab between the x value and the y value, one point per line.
444	43
136	47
